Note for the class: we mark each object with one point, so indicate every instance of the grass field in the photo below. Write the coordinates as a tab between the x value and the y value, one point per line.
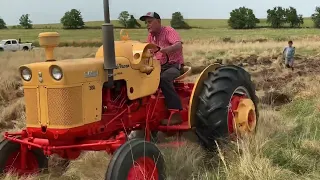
209	30
195	23
286	145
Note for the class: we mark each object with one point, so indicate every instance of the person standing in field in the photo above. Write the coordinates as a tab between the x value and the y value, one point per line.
288	54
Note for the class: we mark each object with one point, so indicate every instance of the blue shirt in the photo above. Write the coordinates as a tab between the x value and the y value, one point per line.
289	52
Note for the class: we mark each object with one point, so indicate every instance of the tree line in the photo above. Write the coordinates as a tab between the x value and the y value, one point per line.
129	21
240	18
24	21
244	18
73	20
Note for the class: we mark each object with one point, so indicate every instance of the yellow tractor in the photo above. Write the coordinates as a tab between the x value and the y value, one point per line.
92	104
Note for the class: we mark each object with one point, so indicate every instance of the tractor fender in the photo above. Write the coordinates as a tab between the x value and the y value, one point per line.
198	85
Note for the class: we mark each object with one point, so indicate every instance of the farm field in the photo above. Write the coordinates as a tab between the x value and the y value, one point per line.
196	23
209	30
287	143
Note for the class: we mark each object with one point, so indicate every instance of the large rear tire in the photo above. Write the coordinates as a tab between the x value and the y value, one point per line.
134	159
218	101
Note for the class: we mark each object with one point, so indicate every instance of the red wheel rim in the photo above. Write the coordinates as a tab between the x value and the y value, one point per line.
234	106
143	168
13	163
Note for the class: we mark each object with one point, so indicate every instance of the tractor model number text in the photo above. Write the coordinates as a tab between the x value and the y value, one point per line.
90	74
121	66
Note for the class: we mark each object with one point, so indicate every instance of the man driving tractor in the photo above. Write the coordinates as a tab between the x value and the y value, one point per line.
171	58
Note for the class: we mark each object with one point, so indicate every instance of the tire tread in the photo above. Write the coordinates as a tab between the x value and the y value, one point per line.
212	112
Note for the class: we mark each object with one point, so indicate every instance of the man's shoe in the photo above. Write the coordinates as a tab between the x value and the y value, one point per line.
175	119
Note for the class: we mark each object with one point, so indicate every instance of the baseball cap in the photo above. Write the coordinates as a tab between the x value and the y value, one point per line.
150	14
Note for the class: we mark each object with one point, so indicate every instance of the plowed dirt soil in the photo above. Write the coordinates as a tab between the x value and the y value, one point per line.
275	84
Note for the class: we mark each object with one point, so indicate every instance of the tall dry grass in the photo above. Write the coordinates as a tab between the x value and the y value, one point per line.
286	145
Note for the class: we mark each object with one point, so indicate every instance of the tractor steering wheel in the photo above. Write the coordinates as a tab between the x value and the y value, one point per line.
167	57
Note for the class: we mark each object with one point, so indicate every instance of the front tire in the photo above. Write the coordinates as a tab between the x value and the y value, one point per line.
146	155
214	117
10	159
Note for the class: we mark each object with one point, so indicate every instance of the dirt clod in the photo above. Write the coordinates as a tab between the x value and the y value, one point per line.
275	98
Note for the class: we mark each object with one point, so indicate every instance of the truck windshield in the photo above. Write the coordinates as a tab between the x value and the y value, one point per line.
2	42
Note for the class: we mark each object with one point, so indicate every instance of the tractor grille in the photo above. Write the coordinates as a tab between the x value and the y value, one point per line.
31	103
64	106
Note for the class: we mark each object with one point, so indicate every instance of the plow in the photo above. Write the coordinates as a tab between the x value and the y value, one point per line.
113	103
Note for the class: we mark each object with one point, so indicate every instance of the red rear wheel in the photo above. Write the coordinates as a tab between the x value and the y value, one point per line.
241	114
10	159
136	159
234	105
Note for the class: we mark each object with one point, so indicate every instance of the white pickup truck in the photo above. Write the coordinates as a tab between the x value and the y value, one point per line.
14	45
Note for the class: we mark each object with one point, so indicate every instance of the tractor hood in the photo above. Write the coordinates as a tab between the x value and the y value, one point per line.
64	72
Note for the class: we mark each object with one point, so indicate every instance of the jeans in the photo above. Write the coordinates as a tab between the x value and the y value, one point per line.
289	61
168	73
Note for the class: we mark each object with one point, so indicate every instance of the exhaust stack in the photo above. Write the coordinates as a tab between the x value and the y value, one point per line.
108	44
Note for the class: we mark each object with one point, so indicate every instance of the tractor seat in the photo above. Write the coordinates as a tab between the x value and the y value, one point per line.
184	72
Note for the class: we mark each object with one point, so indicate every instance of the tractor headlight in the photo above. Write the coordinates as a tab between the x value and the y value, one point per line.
56	73
26	73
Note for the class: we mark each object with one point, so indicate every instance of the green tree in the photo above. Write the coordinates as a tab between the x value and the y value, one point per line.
25	21
316	17
3	24
178	22
132	22
293	18
276	17
242	18
72	20
123	18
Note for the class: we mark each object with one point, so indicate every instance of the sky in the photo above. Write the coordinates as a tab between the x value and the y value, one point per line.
50	11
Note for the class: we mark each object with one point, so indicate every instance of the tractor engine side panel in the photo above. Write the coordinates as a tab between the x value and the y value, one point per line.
131	58
63	107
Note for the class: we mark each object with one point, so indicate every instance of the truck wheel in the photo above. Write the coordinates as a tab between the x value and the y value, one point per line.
227	106
1	49
136	159
25	48
10	159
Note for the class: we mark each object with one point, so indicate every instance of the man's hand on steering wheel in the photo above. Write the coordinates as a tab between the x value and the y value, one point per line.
155	50
162	50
